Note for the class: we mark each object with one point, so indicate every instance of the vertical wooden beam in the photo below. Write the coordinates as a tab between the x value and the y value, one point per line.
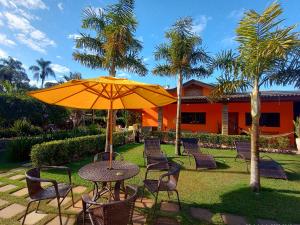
160	118
225	119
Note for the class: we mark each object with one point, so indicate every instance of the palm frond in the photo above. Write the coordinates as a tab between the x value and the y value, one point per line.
163	70
92	61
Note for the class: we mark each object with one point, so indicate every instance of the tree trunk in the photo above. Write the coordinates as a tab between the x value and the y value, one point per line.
255	113
178	115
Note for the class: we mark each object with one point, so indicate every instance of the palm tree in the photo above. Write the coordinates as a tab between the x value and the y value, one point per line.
183	58
13	71
263	44
114	46
42	70
73	76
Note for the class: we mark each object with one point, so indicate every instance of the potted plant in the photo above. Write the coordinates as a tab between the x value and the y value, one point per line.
297	132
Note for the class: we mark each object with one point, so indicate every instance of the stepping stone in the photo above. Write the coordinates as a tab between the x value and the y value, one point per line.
267	222
231	219
77	208
3	202
22	192
11	211
79	189
166	221
17	177
6	174
169	206
33	218
54	202
201	214
23	181
16	170
7	187
146	203
138	218
65	221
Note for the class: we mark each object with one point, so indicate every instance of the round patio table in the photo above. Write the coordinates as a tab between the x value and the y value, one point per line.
99	172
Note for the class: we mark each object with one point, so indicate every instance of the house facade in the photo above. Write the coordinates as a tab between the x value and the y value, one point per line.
230	115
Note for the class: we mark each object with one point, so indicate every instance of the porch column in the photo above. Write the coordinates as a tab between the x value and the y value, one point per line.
225	119
160	118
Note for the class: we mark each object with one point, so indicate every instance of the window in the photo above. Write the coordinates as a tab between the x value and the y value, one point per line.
193	117
266	119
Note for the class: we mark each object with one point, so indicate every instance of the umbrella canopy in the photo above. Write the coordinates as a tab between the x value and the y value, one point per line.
105	93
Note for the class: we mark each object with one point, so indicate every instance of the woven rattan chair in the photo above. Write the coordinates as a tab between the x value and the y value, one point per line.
153	155
267	167
191	148
166	183
57	191
113	213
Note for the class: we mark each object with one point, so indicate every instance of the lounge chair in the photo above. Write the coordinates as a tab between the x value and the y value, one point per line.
267	167
154	155
191	148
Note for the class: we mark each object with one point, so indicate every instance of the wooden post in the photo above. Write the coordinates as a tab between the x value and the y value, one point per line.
225	119
160	118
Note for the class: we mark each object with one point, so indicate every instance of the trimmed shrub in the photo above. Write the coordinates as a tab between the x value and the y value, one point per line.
72	149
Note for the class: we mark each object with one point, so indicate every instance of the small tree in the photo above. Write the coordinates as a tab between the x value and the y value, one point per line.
183	58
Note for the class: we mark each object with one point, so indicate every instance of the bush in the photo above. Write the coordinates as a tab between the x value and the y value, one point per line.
71	149
24	127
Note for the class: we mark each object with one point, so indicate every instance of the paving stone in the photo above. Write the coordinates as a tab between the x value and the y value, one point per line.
16	170
79	189
11	211
22	192
17	177
54	202
201	214
46	184
65	221
7	187
166	221
146	203
138	218
231	219
23	181
267	222
169	206
77	208
6	174
33	217
3	202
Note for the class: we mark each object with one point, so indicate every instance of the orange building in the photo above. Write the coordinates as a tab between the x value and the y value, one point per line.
229	116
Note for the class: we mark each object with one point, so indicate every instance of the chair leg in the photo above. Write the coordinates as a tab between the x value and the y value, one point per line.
72	197
143	192
178	199
59	211
156	197
37	208
28	205
83	211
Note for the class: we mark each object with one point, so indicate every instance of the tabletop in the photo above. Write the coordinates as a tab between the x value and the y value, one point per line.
99	171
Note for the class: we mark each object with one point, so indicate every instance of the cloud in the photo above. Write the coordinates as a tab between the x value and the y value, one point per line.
58	56
124	75
146	59
201	23
60	6
229	41
236	14
60	69
3	54
74	36
28	4
5	41
27	34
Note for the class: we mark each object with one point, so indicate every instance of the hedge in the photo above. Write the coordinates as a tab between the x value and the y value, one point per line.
18	149
222	141
72	149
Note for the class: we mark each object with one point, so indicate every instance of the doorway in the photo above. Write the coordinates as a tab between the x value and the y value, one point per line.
233	123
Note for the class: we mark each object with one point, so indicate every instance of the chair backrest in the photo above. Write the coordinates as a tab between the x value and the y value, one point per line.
190	144
33	183
174	171
243	149
104	156
152	145
119	212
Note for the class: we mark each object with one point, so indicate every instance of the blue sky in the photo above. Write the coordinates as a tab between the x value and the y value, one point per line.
31	29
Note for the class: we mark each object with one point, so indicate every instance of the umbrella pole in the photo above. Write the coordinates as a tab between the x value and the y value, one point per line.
110	138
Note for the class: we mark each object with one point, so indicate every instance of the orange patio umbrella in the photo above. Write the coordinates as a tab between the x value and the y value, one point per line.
105	93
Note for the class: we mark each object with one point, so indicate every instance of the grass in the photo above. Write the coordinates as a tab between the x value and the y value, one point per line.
223	190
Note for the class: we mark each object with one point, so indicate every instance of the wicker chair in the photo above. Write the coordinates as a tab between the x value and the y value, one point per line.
166	183
38	193
267	167
191	148
113	213
154	155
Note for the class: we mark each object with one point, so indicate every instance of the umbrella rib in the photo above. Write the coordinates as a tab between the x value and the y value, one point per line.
117	89
72	95
145	98
95	102
104	88
97	92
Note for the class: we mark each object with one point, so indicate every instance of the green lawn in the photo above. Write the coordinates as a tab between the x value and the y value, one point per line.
221	190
